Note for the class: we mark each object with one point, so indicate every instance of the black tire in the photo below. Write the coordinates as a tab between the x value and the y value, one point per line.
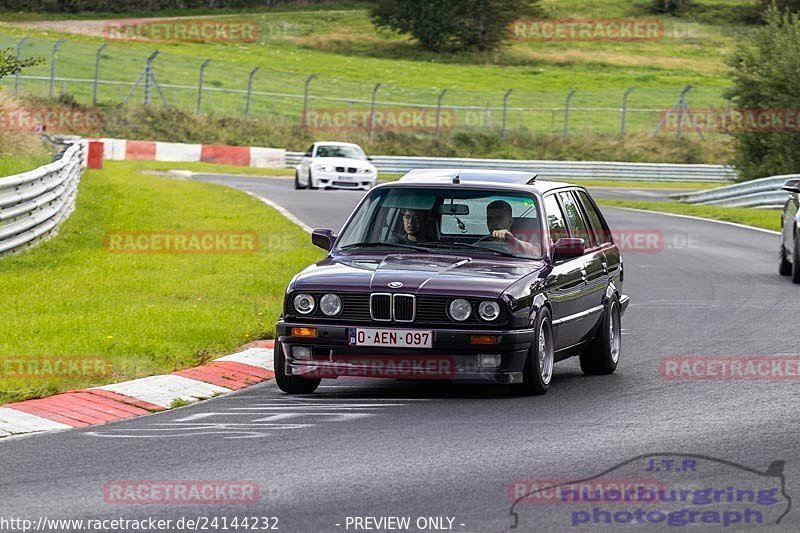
538	372
785	267
796	259
291	384
311	182
297	184
602	355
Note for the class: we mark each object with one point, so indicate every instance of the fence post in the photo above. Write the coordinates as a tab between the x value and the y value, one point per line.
727	117
53	53
505	112
200	84
439	115
250	90
624	119
683	109
305	99
566	112
372	109
149	77
97	73
18	56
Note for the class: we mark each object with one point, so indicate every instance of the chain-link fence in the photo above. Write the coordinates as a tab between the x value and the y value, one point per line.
115	73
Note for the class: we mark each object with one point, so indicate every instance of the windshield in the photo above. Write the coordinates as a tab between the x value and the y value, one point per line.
430	219
351	152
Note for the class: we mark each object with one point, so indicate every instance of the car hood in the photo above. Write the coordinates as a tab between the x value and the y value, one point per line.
419	274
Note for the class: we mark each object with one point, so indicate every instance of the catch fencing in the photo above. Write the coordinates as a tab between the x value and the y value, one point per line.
120	73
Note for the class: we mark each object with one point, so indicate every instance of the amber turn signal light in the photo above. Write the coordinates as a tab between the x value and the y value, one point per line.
304	332
484	339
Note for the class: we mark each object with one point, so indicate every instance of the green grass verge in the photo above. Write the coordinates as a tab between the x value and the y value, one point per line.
145	313
760	218
10	165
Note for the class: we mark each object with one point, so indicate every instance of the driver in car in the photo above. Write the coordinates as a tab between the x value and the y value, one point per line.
499	218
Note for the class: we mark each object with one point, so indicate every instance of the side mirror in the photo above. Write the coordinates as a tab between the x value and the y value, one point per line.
568	249
369	158
792	186
323	238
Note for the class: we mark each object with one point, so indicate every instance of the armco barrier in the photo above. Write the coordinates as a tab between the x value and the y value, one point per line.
763	193
34	204
557	169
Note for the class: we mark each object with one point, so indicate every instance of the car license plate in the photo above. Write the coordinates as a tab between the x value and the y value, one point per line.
346	178
391	338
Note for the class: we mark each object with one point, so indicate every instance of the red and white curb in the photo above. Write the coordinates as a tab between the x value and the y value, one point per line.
245	156
119	401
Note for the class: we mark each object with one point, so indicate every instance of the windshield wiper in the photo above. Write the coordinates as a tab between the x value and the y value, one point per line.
455	245
384	245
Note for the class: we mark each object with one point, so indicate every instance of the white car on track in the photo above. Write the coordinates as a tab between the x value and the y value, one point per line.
335	165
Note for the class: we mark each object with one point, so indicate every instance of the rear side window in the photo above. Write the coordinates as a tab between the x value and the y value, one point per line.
555	219
599	228
575	222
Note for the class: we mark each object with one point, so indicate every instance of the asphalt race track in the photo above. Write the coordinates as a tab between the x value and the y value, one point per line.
369	448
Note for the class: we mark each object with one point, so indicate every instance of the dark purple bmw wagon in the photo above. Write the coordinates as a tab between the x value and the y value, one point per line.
469	275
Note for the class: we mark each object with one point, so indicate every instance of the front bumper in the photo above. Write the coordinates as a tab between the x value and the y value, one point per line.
452	357
339	180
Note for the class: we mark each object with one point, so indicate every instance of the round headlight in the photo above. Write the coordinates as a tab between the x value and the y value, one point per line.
460	309
489	310
330	304
304	304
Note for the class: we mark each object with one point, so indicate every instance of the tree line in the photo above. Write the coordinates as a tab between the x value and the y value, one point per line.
121	6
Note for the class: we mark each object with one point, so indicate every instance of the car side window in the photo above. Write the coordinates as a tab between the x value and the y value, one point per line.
575	222
555	219
599	228
310	151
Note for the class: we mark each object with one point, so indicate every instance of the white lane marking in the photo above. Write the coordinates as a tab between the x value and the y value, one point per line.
283	211
690	217
259	420
13	422
165	390
260	357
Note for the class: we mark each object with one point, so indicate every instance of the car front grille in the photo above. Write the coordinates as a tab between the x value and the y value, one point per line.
380	306
404	308
377	308
349	170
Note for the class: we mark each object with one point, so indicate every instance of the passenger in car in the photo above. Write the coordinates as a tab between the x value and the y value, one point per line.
416	226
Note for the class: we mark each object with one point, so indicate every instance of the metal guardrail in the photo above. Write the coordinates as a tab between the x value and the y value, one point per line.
557	169
34	204
764	193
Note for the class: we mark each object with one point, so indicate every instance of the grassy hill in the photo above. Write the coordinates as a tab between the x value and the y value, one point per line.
340	45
